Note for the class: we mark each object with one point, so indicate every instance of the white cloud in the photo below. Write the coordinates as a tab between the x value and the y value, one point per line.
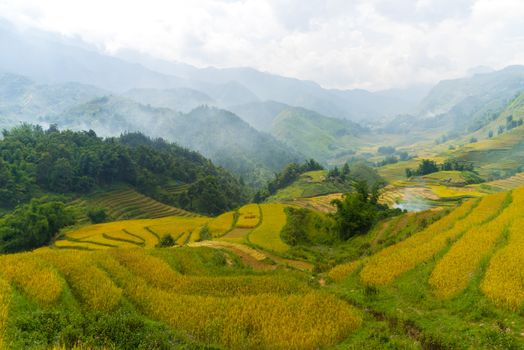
338	43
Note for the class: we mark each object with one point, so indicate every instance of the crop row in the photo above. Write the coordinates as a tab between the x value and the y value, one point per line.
454	271
504	279
5	301
385	266
33	276
273	321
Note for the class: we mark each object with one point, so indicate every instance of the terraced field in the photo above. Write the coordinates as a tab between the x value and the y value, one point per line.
267	235
247	225
462	272
133	233
469	235
178	288
125	203
507	184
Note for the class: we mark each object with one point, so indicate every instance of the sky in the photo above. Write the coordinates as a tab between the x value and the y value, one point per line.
370	44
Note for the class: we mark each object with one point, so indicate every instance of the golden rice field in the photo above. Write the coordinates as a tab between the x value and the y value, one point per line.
248	216
267	234
276	310
342	271
38	280
221	224
453	272
482	234
385	266
133	233
5	298
504	279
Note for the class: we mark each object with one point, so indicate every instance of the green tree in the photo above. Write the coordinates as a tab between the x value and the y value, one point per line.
33	225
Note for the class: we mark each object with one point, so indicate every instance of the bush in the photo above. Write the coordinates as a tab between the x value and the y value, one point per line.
205	233
166	241
33	225
97	215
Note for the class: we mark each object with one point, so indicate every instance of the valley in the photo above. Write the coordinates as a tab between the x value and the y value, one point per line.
147	203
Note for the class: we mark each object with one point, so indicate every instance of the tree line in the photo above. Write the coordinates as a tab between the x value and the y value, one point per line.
35	161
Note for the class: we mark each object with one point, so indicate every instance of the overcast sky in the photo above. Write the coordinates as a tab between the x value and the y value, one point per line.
372	44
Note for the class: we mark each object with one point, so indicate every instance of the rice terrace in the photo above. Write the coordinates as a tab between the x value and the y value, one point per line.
273	175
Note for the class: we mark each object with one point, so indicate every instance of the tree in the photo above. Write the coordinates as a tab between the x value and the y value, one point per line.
345	172
97	215
166	241
427	166
33	225
355	215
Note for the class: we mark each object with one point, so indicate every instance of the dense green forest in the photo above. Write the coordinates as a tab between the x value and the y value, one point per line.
34	161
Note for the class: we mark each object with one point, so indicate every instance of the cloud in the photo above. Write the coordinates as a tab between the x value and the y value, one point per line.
371	44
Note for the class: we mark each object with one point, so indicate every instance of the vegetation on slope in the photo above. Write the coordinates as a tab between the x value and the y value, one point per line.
218	134
32	225
176	288
315	135
452	285
33	161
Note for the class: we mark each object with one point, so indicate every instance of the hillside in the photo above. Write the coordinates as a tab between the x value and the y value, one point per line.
217	134
315	135
468	103
21	99
52	59
168	308
180	100
458	273
356	104
35	162
259	115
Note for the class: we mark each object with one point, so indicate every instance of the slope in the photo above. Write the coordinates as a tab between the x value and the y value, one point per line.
315	135
218	134
452	282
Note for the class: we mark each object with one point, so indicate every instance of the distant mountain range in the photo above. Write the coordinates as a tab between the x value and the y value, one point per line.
48	58
248	121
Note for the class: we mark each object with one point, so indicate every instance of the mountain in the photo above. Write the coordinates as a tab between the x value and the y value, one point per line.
314	135
22	100
259	115
356	105
218	134
179	99
473	93
49	58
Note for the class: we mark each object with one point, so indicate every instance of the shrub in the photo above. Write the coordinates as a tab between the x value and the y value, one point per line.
205	233
97	215
166	241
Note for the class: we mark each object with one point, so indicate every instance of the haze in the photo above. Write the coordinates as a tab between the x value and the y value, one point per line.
339	44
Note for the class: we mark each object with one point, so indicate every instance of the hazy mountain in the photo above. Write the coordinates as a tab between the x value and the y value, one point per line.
49	58
446	94
467	104
345	104
22	100
259	115
180	99
315	135
218	134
